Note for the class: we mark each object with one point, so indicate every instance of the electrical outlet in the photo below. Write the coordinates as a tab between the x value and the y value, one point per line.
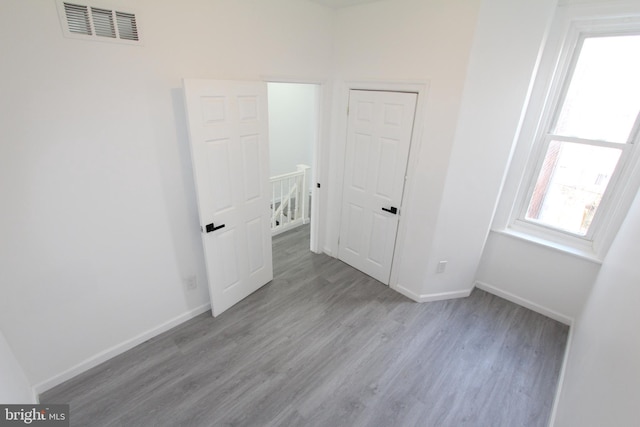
191	283
442	266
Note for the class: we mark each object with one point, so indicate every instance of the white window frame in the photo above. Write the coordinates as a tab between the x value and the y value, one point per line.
544	112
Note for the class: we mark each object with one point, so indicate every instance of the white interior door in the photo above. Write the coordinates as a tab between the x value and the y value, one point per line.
228	129
378	140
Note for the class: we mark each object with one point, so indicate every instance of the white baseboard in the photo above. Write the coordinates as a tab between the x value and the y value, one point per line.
430	297
525	303
565	360
116	350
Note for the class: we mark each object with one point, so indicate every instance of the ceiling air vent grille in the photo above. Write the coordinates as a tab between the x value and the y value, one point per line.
99	23
127	26
103	22
77	19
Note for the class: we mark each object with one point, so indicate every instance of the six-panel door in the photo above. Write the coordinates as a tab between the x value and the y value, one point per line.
228	127
379	134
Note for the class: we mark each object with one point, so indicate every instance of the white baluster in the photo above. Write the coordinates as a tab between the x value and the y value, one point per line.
281	202
304	191
291	185
289	188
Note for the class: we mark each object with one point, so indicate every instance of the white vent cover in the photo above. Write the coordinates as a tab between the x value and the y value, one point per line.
127	26
99	23
103	22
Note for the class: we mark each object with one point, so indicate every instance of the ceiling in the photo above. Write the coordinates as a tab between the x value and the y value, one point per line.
342	3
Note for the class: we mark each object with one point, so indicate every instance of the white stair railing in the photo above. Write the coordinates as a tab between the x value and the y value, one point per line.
289	200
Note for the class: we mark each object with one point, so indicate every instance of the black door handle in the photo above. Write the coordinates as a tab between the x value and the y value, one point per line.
392	210
211	227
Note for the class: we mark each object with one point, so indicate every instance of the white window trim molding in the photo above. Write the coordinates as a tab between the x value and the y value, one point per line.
100	4
570	25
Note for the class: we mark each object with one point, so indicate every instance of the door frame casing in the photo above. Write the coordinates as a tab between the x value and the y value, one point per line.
318	195
337	161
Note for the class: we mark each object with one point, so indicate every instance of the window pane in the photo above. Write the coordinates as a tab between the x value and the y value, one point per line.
570	185
603	99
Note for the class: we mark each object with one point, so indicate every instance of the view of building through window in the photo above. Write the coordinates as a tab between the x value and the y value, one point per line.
594	126
571	184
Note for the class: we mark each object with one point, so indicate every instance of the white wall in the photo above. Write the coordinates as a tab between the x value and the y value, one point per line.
548	281
293	115
479	77
551	282
503	59
602	376
14	386
99	221
405	41
99	224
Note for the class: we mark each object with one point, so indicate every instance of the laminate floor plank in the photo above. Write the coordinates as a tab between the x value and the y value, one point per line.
326	345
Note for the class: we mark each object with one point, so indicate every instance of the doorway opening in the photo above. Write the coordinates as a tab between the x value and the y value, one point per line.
293	137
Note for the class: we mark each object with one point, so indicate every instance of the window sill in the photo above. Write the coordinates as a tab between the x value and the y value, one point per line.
585	254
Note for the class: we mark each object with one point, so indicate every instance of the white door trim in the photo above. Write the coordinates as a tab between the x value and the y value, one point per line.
318	195
420	87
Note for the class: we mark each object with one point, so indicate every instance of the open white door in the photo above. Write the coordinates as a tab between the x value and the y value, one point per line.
228	130
378	140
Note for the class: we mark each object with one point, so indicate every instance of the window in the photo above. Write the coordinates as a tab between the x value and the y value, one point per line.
586	146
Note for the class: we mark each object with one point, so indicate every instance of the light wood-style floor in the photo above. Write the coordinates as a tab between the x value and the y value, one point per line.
325	345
